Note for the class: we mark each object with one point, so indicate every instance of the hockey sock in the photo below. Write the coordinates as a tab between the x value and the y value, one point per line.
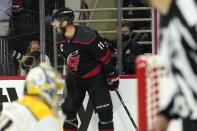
69	130
71	123
105	121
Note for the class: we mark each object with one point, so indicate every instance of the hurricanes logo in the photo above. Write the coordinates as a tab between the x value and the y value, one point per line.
73	60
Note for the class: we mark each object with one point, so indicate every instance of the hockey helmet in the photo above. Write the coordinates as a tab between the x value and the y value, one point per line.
64	14
45	81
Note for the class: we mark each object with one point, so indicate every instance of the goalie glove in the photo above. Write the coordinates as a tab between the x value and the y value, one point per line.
113	81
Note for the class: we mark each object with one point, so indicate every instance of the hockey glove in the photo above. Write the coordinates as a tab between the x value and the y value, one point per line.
113	81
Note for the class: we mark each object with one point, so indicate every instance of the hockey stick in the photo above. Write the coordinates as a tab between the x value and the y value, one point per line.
128	113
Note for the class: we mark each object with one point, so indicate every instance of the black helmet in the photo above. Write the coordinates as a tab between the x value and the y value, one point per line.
64	14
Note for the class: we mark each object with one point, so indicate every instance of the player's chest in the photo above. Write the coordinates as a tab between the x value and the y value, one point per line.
72	49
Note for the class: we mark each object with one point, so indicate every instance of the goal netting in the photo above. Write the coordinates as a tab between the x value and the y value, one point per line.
150	74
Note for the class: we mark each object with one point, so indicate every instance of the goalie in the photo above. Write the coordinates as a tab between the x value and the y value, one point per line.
36	111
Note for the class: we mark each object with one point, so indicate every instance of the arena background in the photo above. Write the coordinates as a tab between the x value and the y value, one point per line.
26	24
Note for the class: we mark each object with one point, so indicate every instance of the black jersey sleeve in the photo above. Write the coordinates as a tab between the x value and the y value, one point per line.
103	54
58	44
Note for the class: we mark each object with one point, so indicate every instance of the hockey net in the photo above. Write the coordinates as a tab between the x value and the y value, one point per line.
150	72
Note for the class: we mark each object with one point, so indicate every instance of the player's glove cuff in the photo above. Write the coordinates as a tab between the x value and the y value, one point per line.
113	81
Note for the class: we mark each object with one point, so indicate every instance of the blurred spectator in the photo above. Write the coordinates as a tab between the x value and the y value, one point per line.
5	14
31	58
129	14
139	25
130	48
134	13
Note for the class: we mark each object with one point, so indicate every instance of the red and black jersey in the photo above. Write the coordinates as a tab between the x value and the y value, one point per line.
85	53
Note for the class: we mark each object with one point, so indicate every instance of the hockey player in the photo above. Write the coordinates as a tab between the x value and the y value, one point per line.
179	51
89	69
36	111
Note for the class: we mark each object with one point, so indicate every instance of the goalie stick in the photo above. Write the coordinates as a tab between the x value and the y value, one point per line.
128	113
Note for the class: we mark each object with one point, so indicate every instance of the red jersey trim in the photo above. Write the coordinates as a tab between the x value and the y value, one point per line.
104	58
107	61
93	72
61	42
78	41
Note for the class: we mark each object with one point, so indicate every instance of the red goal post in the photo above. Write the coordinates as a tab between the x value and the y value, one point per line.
150	71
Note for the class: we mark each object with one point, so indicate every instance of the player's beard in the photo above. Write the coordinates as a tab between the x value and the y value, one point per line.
61	30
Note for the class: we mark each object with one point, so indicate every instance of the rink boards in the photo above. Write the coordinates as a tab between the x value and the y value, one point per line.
12	87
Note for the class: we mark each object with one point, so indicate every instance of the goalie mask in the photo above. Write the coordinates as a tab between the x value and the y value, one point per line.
45	81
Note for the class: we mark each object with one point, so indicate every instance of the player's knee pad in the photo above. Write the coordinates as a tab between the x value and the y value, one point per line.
71	122
106	120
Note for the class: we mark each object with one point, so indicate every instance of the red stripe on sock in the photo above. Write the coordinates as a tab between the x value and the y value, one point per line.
69	130
107	130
